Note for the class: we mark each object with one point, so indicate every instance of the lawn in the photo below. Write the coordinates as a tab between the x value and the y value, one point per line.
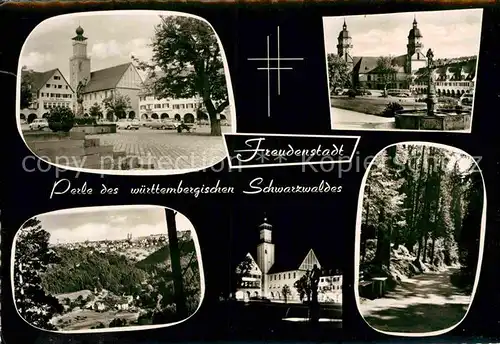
372	105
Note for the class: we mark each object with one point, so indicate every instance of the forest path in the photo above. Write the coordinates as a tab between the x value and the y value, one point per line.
424	303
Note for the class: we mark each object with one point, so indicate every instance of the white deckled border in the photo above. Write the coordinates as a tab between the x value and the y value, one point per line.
359	221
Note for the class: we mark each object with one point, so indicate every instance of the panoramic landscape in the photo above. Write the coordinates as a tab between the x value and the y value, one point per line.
420	238
391	71
102	268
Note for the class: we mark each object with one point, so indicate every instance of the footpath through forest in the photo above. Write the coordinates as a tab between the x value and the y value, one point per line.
424	303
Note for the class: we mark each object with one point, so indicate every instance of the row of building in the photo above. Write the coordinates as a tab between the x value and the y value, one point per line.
454	76
51	89
268	277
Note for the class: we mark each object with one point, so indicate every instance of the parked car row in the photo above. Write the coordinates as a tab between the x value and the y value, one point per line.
135	124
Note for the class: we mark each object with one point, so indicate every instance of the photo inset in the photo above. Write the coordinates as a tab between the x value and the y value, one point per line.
284	282
420	238
403	71
103	268
148	93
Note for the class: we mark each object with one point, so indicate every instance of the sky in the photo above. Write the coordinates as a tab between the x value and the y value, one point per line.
107	223
452	33
49	45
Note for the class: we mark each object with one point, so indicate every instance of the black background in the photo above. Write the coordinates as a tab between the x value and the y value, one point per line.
227	224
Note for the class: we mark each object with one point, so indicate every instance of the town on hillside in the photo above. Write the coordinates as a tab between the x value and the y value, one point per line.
106	283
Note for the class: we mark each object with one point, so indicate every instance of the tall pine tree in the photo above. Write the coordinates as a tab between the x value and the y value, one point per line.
32	258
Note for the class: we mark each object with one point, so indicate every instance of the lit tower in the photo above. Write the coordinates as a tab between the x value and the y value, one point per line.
265	253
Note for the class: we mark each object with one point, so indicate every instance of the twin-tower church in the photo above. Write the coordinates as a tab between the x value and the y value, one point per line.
454	76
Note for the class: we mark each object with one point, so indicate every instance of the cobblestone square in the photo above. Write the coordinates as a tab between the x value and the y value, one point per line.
168	149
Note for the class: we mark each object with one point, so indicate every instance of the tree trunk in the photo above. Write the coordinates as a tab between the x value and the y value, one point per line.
175	258
383	242
215	129
419	251
432	249
424	254
364	237
417	195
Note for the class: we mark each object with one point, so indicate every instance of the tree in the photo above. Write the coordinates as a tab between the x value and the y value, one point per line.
27	89
61	119
117	104
243	270
188	54
175	259
385	202
424	198
95	111
339	74
32	258
303	287
386	71
286	292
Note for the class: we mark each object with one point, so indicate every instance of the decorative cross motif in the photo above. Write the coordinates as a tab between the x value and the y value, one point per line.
278	67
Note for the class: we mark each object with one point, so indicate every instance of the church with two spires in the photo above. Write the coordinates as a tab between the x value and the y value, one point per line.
453	76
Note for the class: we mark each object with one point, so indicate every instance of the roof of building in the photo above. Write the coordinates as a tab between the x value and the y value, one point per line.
107	78
289	260
414	33
39	79
79	34
463	70
368	64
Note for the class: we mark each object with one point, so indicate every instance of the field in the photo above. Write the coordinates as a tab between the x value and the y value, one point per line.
82	319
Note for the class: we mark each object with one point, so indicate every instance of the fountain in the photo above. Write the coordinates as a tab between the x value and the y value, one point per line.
433	118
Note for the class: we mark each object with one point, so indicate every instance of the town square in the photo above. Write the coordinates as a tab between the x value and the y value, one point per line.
413	71
124	100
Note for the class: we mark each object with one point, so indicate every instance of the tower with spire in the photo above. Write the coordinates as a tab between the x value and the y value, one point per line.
416	59
265	251
344	45
79	62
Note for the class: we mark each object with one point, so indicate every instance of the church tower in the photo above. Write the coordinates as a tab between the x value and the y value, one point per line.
265	253
344	45
79	63
416	59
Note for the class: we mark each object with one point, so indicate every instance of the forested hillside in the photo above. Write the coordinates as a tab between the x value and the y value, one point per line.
85	268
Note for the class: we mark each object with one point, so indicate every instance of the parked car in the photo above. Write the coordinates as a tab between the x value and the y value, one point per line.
156	125
171	124
39	124
127	124
163	124
357	92
146	122
466	99
260	299
189	127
